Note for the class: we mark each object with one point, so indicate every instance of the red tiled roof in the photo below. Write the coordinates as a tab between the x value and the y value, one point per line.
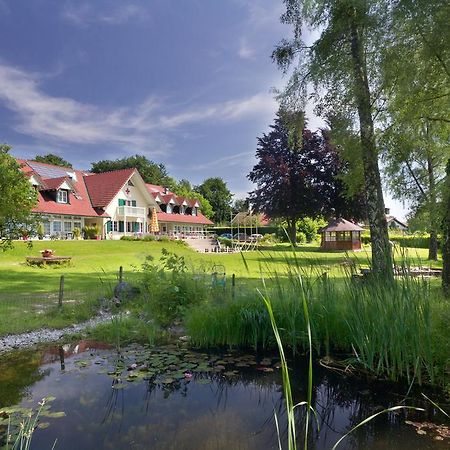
103	187
54	183
166	195
182	218
79	204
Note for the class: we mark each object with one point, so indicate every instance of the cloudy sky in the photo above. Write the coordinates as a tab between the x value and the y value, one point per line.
187	83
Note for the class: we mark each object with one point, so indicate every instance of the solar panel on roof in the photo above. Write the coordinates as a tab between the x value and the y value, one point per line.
47	171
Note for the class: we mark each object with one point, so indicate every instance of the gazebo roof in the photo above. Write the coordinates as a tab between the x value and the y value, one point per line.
341	225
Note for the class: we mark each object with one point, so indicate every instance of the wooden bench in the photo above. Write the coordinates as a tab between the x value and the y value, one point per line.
41	260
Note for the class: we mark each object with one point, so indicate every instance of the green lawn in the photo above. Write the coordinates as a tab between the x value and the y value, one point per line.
95	262
28	295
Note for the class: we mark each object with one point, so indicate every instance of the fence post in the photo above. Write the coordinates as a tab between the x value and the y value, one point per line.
61	291
233	284
120	274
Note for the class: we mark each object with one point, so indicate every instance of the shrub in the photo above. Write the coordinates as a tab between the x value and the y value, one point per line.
128	238
269	239
225	242
301	237
310	227
91	231
149	238
168	289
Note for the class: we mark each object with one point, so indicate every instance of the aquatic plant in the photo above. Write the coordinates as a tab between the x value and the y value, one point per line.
392	329
23	422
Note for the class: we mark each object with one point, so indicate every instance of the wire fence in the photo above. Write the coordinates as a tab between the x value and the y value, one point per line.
58	307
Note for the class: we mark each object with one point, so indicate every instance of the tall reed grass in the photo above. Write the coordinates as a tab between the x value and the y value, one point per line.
388	328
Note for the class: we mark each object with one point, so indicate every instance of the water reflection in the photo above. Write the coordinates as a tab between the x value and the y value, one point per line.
155	398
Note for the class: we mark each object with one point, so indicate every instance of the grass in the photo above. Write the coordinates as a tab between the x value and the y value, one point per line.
28	295
400	331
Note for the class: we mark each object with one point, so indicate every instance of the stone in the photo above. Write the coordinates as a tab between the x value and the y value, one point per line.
125	291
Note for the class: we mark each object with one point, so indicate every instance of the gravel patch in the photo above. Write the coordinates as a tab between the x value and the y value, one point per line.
18	341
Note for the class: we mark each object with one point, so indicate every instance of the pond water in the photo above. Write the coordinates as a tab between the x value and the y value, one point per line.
172	398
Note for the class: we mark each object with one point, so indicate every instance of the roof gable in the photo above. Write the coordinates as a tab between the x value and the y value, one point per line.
103	187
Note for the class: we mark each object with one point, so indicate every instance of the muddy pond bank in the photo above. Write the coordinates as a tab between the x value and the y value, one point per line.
170	397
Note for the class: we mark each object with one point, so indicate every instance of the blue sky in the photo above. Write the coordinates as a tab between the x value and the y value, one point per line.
187	83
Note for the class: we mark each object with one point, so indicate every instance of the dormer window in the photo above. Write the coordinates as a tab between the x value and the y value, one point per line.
62	196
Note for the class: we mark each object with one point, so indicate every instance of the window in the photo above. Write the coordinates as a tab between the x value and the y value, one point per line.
130	183
56	226
77	225
67	227
62	196
46	228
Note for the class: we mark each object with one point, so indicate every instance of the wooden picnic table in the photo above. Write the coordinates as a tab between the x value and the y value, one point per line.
44	260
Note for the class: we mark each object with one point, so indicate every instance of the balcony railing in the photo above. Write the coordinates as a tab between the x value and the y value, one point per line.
131	211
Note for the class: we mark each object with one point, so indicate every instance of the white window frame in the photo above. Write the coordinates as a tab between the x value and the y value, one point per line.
62	196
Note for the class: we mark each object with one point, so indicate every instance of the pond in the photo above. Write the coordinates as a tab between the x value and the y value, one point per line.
174	398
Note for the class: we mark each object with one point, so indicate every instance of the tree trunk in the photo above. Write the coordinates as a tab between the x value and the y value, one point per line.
446	235
292	230
433	247
381	248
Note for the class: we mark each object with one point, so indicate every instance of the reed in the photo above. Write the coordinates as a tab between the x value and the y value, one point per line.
396	330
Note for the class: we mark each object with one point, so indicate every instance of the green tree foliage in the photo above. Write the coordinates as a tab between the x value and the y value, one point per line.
310	227
297	179
416	118
241	205
446	235
18	198
343	65
56	160
150	171
414	160
215	190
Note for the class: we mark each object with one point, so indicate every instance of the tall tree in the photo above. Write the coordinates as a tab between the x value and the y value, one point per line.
150	171
417	66
299	178
18	198
215	190
241	205
414	157
446	235
56	160
343	64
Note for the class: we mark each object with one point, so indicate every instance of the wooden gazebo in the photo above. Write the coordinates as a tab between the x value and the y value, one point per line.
340	234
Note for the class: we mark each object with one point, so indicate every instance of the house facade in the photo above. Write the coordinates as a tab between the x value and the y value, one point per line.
119	203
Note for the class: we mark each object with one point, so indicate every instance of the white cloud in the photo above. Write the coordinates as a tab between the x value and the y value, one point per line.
245	50
147	126
83	14
227	161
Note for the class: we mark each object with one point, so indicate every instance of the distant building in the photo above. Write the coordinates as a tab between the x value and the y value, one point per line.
120	203
393	223
340	234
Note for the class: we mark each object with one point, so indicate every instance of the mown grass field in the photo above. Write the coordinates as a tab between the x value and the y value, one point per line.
28	294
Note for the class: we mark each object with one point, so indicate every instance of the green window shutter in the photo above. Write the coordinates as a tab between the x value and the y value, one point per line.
133	202
136	227
108	226
121	227
121	202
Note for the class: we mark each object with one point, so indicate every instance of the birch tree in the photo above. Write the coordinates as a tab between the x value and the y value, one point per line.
343	66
